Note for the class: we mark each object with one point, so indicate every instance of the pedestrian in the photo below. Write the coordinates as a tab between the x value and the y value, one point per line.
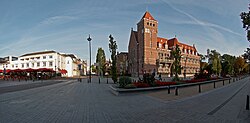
160	77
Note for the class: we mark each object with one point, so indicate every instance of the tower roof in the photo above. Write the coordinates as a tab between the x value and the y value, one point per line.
148	16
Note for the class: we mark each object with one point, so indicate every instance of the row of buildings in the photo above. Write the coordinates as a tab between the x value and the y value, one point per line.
149	53
69	63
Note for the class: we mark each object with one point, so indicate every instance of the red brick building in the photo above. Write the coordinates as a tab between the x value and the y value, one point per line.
122	63
147	52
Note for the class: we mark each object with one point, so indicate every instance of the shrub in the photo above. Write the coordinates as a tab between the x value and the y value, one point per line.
149	79
128	86
141	85
159	83
123	81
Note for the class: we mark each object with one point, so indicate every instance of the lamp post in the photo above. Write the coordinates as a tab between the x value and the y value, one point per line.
185	68
89	39
55	67
138	74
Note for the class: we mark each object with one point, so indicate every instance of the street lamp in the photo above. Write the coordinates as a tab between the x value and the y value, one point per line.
138	74
89	39
55	67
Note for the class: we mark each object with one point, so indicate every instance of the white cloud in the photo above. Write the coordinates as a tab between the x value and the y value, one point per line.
57	19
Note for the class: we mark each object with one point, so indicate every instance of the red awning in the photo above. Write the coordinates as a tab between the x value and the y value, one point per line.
45	70
63	71
1	71
16	70
30	70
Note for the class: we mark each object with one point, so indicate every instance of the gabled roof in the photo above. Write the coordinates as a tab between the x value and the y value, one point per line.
174	42
162	40
135	34
148	16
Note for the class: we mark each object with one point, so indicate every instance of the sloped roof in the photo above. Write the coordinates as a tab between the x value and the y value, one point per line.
37	53
174	42
148	16
161	40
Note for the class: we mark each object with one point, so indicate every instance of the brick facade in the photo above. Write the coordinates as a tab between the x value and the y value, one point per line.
147	52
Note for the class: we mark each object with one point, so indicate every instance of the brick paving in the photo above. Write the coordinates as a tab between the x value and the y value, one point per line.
75	102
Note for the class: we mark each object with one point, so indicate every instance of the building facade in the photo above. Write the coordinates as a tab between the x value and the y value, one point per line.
149	53
122	63
47	59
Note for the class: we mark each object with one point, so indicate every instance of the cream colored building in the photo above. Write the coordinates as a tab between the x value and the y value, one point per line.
47	59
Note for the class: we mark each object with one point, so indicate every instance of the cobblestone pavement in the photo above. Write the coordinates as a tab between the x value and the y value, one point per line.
75	102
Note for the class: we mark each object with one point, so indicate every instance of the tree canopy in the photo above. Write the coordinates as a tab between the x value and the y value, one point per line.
101	61
112	50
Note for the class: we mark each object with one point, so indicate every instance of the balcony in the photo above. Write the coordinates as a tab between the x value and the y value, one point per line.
164	61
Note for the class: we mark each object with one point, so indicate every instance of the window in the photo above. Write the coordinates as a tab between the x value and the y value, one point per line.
27	65
147	23
157	44
50	64
44	57
153	24
50	56
37	57
44	64
33	64
22	65
12	66
38	64
68	61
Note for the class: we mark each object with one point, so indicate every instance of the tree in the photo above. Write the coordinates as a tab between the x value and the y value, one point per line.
101	60
112	50
245	17
176	66
215	62
228	64
239	65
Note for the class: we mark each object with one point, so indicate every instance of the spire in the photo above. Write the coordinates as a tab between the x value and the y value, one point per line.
148	16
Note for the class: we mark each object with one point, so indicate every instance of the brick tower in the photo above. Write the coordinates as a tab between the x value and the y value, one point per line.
147	29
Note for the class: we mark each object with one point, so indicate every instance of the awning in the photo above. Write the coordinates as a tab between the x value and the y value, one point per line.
63	71
30	70
45	70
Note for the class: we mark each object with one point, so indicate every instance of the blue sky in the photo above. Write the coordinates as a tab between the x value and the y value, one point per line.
63	25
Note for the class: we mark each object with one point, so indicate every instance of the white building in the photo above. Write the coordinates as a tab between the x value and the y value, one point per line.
47	59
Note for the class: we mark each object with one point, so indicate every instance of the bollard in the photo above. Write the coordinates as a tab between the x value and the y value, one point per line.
224	83
214	84
176	91
107	81
247	104
99	80
168	89
199	88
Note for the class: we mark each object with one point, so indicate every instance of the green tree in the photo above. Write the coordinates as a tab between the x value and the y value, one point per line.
245	17
215	62
101	61
112	50
228	64
176	66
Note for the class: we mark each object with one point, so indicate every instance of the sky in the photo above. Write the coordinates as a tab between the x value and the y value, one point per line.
64	25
